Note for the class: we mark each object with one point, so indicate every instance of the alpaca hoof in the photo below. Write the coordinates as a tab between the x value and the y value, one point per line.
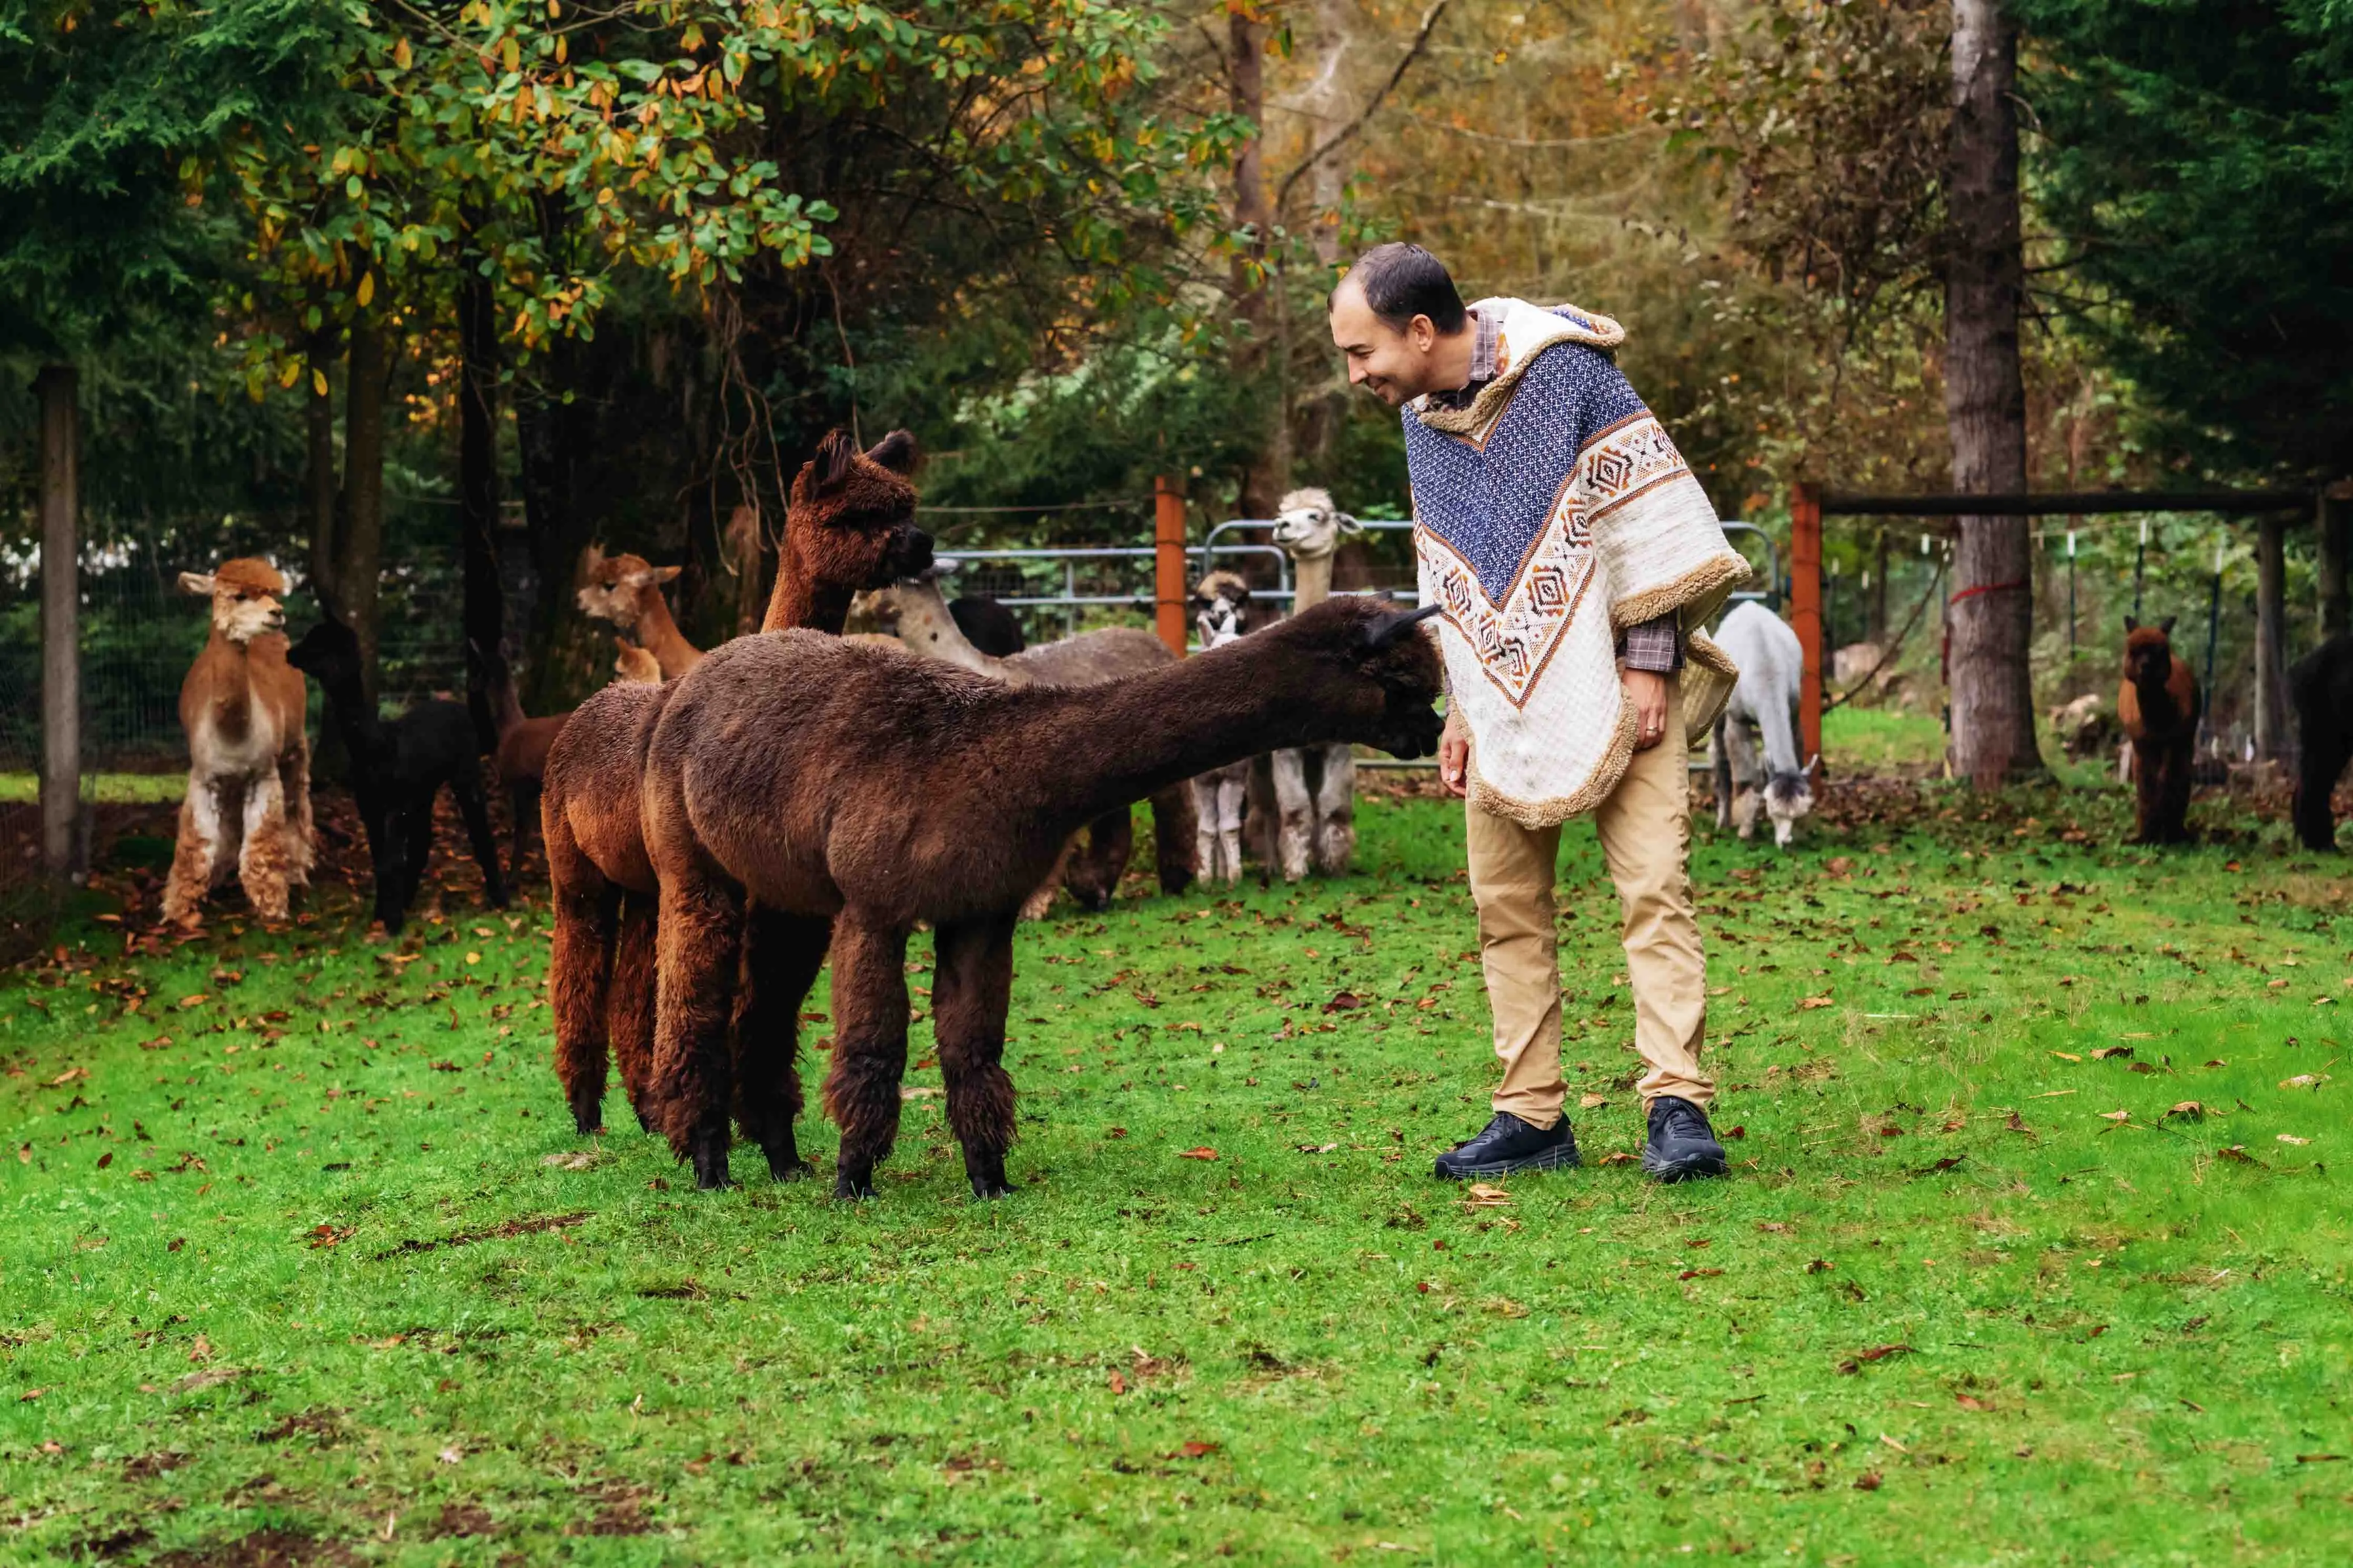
711	1166
587	1121
852	1189
987	1190
795	1168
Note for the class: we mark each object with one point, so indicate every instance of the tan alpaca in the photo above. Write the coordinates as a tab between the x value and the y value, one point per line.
1303	800
626	589
633	666
249	802
1221	606
916	612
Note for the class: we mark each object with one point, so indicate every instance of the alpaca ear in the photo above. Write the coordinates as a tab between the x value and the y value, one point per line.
200	584
835	456
1385	631
1812	764
1347	523
657	575
2166	625
897	452
2132	624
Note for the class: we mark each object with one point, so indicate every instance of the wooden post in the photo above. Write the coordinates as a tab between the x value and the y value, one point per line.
1169	563
1805	610
2331	518
2271	636
60	618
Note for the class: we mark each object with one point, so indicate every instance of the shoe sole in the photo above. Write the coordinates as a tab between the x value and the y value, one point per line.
1562	1159
1667	1172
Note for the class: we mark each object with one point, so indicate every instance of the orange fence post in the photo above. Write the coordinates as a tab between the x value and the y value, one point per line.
1805	610
1169	563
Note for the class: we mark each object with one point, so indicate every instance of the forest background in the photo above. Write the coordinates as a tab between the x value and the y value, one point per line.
425	298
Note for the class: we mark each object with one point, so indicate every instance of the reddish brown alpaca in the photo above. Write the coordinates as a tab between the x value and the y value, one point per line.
849	525
2158	706
826	779
626	589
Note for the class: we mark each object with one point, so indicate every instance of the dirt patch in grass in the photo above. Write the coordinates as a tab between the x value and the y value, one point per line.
462	1519
619	1511
262	1549
114	1545
326	1425
512	1227
147	1467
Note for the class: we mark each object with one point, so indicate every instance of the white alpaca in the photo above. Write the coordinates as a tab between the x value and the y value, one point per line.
1772	663
1220	598
1304	799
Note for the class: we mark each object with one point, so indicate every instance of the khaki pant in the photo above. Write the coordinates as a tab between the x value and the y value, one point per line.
1645	829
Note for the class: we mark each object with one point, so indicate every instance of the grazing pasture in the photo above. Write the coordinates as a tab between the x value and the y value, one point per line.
2036	1250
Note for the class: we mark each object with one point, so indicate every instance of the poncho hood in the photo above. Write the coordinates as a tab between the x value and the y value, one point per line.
1550	511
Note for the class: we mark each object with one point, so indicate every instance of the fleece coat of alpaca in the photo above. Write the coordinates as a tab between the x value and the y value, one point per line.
826	779
849	524
2320	688
626	589
2158	706
248	809
926	624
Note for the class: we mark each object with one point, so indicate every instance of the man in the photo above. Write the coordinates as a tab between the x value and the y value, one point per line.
1574	557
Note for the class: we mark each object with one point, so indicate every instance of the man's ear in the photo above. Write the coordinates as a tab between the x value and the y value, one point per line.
897	452
661	574
197	583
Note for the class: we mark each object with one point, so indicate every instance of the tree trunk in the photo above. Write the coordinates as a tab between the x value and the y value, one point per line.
1985	406
2331	519
1879	592
1262	478
319	468
1329	104
359	554
2271	739
61	840
477	493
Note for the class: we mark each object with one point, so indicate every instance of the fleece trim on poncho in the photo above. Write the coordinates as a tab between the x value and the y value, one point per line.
1548	512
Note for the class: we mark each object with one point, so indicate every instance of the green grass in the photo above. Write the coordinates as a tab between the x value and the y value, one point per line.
362	1285
108	789
1882	740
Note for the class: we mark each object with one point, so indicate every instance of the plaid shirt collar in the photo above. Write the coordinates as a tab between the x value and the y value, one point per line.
1484	330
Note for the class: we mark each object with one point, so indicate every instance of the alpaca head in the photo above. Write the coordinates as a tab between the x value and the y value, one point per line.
1789	798
851	521
913	608
1220	607
614	588
1369	671
2148	652
1308	525
634	665
330	652
247	596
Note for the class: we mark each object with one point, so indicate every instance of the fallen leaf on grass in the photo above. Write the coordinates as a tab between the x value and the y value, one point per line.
2292	1138
1204	1153
1619	1158
1317	1148
1484	1197
1816	1266
1893	1444
1592	1101
329	1235
1344	1002
2116	1115
2189	1108
1855	1363
2319	1458
66	1076
1699	1274
1118	1383
1196	1450
1867	1482
2069	1056
208	1378
2237	1152
573	1159
2102	1053
2305	1080
1811	1003
1970	1402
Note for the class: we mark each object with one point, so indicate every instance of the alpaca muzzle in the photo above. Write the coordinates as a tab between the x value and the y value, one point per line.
910	554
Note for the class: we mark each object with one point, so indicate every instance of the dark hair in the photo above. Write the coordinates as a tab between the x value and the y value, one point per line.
1402	281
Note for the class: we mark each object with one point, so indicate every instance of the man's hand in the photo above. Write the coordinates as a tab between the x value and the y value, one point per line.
1646	693
1454	755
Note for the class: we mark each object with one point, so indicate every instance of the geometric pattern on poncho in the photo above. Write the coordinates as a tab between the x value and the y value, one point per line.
1506	534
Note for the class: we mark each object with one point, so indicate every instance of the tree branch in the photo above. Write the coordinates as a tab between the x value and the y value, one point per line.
1355	127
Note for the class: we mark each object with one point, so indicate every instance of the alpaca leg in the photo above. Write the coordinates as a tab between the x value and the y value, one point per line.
870	1047
261	862
1204	822
1335	811
973	988
699	943
294	785
782	954
2147	787
1295	818
629	1001
1175	838
2179	774
476	810
1232	789
1092	873
191	862
400	860
579	966
1035	906
2324	757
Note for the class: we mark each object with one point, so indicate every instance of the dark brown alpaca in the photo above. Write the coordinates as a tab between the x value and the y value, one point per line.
823	780
2158	706
849	525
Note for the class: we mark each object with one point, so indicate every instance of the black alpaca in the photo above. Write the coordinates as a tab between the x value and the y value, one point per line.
396	770
987	624
2320	685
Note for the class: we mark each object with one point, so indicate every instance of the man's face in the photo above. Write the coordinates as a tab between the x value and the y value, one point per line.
1394	366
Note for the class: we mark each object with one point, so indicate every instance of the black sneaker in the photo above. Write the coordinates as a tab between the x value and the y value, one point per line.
1509	1145
1682	1145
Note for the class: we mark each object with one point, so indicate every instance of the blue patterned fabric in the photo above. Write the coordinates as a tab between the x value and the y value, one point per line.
1490	504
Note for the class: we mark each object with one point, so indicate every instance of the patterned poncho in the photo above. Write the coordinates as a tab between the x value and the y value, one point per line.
1548	513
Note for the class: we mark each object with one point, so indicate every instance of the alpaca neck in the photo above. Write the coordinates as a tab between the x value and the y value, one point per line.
1312	579
800	600
1781	737
232	694
1260	695
355	718
926	628
660	636
506	708
2157	701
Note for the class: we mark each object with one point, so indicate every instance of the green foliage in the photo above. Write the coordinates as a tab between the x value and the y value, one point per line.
2196	156
1946	1310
